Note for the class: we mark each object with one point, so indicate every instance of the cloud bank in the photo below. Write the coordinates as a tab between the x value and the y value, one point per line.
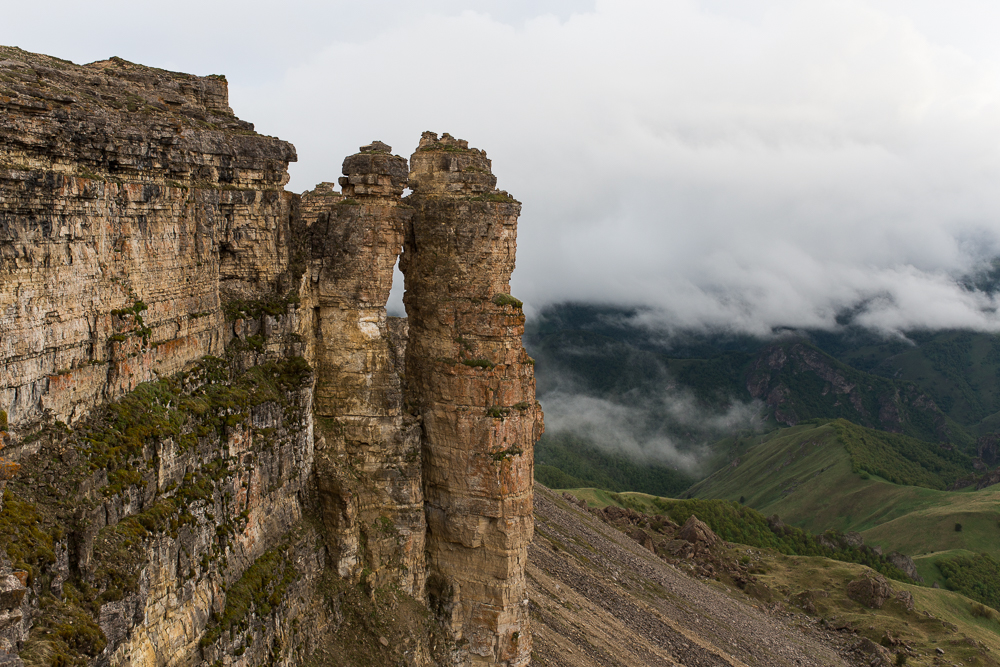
733	165
735	171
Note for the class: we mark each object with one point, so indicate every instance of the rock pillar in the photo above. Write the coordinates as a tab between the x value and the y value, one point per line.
472	383
368	452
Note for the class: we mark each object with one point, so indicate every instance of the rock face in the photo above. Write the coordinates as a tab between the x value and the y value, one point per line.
472	383
133	200
793	378
368	469
218	426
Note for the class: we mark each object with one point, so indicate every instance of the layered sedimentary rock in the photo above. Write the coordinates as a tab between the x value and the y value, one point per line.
368	471
222	436
131	199
471	381
143	227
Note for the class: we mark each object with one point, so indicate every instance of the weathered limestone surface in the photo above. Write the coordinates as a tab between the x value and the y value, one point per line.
217	423
130	199
473	384
368	469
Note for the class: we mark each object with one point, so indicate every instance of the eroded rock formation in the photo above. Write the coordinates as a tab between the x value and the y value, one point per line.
472	382
369	466
218	427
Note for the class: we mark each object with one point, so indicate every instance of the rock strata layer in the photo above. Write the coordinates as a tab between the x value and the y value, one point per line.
472	383
133	201
228	451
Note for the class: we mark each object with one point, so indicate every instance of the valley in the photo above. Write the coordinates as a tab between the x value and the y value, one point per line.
887	439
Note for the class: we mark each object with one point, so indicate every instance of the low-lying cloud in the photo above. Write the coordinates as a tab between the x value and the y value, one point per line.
667	427
771	165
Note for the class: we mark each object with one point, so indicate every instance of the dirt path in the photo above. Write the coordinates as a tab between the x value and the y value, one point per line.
598	598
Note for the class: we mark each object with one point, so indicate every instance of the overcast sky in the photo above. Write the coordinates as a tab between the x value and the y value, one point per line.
743	164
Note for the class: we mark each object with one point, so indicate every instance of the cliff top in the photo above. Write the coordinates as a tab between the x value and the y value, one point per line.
57	113
41	82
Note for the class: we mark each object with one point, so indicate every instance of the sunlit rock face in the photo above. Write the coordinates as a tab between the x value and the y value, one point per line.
218	426
472	383
368	469
133	201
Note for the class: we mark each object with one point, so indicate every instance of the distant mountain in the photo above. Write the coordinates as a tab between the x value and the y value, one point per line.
940	387
798	381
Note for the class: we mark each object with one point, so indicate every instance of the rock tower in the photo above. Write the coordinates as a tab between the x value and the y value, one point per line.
472	383
368	470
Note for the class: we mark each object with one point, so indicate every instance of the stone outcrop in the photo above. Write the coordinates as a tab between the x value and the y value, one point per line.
133	200
906	564
797	382
472	383
369	466
873	591
697	532
218	426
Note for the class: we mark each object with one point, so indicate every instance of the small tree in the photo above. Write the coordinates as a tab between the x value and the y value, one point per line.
958	528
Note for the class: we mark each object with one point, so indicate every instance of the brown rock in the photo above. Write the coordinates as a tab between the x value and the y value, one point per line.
642	538
877	656
872	590
11	592
473	384
373	508
697	532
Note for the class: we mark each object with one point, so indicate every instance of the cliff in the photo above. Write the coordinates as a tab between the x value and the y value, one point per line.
228	453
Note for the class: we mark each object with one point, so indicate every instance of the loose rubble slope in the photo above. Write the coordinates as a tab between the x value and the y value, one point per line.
599	598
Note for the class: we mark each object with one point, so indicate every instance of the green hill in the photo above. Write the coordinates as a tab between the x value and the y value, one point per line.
809	477
565	461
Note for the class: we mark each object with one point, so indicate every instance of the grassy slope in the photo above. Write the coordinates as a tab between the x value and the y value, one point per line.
924	633
804	474
927	568
563	460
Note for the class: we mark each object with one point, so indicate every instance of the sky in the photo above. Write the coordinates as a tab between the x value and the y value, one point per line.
731	165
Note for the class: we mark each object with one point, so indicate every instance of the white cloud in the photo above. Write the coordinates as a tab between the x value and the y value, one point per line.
737	164
640	428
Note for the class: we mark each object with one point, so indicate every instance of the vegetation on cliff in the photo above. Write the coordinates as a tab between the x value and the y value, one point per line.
111	457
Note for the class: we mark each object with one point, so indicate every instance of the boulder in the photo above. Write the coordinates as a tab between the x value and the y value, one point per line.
641	537
697	532
906	564
854	539
875	655
872	590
